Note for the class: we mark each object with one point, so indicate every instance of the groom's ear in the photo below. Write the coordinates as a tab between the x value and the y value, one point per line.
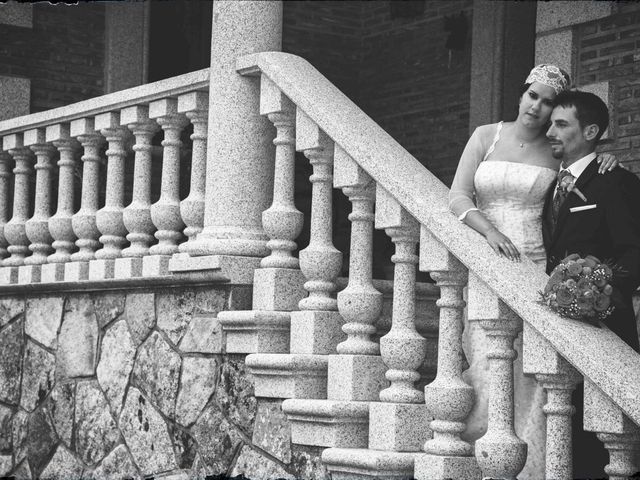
590	132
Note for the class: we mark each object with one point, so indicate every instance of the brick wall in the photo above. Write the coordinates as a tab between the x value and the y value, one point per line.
63	54
395	67
607	50
413	86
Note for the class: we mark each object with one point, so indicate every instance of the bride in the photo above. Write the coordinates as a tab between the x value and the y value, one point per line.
499	189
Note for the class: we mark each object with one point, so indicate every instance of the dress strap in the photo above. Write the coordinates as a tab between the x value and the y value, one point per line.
493	144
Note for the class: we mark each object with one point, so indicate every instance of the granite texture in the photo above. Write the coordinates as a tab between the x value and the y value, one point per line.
355	377
38	376
255	466
145	433
328	423
289	375
140	312
43	320
256	331
63	466
117	465
203	335
398	427
239	140
278	289
96	432
348	463
156	372
234	394
61	406
162	402
316	332
559	14
16	91
116	363
78	339
555	48
10	308
12	344
197	384
272	432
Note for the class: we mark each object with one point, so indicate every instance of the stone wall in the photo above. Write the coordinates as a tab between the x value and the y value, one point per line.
126	384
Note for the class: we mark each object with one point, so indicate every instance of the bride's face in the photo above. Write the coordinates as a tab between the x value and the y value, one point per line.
536	105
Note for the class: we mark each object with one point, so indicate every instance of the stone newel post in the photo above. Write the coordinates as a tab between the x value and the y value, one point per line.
239	175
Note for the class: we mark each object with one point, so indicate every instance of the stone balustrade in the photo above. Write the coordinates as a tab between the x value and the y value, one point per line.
349	377
370	424
99	161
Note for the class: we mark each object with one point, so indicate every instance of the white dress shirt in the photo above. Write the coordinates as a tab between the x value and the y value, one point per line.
579	166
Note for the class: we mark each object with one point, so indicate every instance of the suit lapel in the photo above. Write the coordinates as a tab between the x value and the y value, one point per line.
573	199
547	220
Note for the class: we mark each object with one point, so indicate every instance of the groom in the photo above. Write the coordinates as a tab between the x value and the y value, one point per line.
606	225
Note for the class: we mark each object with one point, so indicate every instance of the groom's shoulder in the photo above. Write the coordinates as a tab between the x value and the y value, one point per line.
620	178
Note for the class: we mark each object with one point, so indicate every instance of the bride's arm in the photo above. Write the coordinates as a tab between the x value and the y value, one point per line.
500	243
461	199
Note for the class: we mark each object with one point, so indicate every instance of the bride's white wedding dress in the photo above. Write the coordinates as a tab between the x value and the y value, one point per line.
511	196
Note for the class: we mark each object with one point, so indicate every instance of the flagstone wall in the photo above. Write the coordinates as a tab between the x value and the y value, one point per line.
134	383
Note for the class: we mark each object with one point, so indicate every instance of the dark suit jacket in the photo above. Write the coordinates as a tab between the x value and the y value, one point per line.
611	231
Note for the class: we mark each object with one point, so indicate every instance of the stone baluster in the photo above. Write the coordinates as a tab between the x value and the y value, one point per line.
403	348
559	379
5	177
84	221
320	261
60	225
109	217
195	106
282	220
620	436
37	227
499	452
448	398
165	213
15	230
357	372
137	215
359	303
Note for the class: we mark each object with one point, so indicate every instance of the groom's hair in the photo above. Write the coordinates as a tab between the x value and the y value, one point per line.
590	109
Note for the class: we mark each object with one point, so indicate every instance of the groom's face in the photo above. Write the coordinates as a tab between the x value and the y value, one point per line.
566	136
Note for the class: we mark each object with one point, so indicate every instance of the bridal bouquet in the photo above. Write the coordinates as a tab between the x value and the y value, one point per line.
579	288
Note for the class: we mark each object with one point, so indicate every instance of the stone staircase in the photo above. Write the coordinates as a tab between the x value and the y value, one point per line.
368	370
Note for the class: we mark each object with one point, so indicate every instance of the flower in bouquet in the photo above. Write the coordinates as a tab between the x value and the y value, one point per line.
579	288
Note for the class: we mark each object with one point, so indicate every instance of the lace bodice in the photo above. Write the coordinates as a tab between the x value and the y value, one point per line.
511	196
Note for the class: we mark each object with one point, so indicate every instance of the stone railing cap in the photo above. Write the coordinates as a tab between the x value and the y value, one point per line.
598	354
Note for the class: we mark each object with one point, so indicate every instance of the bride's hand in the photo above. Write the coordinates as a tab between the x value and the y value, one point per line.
502	245
607	162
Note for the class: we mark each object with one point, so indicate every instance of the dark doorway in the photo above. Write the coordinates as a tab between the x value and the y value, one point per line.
179	37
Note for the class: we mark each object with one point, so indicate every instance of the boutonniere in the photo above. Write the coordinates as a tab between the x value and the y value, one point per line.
568	184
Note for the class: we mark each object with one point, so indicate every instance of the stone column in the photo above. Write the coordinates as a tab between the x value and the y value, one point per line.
37	227
399	422
15	230
448	398
238	187
84	220
5	210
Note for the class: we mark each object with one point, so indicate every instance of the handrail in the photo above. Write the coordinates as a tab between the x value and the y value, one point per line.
598	354
170	87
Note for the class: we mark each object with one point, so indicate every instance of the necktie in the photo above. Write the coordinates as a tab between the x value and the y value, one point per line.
560	194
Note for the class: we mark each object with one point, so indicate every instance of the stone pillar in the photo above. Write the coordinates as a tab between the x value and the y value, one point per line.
448	398
239	177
